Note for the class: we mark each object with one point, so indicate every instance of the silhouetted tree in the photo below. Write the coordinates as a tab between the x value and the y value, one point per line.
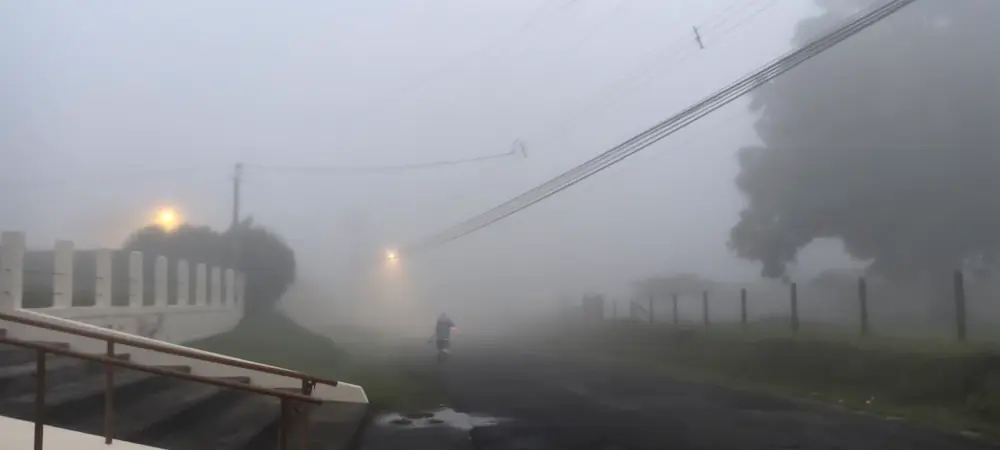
261	254
889	142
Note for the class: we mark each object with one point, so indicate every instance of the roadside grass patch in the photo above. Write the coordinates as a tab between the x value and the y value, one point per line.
277	340
946	385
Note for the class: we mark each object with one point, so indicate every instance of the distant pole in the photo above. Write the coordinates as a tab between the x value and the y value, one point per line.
677	318
704	308
794	293
960	305
237	180
234	256
863	300
697	37
652	318
743	307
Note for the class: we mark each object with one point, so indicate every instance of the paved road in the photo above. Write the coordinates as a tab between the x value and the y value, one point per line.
547	404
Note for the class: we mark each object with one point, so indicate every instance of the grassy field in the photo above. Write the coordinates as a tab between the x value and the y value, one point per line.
278	341
939	383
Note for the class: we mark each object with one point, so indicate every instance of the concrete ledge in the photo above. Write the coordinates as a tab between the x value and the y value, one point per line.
20	435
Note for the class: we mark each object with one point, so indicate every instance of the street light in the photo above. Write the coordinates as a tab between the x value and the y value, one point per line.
392	256
168	219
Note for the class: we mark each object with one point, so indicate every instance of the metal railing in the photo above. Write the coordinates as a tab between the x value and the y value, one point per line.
110	360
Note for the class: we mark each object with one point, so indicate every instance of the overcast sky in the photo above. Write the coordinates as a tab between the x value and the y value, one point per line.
112	109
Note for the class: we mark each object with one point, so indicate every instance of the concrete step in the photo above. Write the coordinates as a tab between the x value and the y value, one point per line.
12	354
204	411
20	378
221	427
65	401
133	418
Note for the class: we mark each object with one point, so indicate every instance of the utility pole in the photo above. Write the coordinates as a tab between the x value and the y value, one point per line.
697	37
233	238
237	180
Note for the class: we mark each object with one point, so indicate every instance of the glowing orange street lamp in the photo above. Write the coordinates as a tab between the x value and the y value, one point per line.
168	219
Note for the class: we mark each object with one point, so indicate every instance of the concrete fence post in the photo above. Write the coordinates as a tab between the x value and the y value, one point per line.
62	275
11	270
230	296
160	274
200	284
102	281
135	281
216	287
183	283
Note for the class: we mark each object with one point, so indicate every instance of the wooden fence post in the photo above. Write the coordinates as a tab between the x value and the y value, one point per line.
743	308
704	308
795	307
677	318
960	305
863	300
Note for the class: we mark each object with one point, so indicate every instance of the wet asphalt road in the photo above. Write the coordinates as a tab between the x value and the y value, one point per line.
545	403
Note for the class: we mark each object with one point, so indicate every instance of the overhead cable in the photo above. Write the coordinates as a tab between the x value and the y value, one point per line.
516	149
665	128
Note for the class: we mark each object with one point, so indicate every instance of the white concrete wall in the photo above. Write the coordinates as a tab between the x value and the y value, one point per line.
166	322
172	320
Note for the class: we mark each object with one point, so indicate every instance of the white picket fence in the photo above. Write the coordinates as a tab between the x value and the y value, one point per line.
216	305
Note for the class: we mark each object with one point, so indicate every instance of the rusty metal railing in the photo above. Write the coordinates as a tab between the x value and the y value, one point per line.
288	399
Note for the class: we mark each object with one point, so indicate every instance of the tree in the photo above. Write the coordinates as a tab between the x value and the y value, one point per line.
889	142
261	254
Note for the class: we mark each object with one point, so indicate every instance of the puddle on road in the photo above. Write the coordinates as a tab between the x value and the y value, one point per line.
444	417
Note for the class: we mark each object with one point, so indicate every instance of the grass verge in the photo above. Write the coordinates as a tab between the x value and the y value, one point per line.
277	340
946	386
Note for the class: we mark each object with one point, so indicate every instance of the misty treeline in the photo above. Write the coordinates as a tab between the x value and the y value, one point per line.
261	254
889	142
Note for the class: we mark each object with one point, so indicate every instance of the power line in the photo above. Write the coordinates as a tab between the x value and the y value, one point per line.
679	52
517	149
721	16
664	128
733	11
749	17
536	17
124	176
115	176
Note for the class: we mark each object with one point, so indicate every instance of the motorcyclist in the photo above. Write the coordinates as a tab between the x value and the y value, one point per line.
442	331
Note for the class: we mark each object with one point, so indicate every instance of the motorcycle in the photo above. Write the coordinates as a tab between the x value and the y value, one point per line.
444	351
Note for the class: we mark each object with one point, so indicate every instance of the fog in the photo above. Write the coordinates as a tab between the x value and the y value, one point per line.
113	110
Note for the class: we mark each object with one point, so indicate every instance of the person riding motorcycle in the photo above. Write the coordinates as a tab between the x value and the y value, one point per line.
442	331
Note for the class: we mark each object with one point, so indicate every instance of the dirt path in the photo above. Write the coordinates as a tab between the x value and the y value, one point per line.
543	404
